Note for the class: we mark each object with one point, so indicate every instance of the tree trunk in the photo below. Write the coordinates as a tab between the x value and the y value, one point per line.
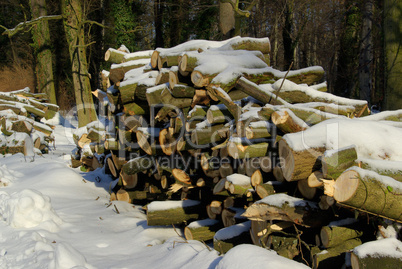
393	55
75	35
366	54
44	62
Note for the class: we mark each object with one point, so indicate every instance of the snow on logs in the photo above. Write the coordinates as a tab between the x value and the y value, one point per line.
20	119
211	123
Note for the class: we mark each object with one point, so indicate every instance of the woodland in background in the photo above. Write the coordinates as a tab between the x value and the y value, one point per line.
345	37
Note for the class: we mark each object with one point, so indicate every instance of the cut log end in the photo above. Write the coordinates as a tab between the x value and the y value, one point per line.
346	186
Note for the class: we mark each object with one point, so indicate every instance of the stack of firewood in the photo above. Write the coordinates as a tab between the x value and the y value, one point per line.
203	135
20	118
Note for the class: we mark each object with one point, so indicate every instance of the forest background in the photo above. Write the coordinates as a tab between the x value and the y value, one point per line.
357	42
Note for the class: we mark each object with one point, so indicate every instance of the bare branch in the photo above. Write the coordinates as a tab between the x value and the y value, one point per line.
23	25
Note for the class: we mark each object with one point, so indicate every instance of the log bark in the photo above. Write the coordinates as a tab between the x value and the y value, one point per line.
202	230
210	134
334	257
114	56
376	261
258	93
237	150
258	129
334	163
332	236
368	191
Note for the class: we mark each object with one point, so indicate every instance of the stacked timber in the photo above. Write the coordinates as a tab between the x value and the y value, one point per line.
22	131
210	138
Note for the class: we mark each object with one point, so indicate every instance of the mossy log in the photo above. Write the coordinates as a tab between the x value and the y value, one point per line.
332	236
218	114
258	129
114	56
383	167
378	256
166	213
335	162
202	230
209	134
334	258
239	150
368	191
136	108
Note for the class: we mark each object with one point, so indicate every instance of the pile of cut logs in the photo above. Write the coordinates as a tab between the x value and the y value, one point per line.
201	134
20	118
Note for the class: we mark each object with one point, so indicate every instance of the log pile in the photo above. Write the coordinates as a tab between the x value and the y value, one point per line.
22	131
202	135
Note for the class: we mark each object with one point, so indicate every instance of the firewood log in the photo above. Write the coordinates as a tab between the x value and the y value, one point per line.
378	256
240	150
202	230
286	208
332	236
335	162
368	191
334	257
229	237
298	164
166	213
114	56
288	122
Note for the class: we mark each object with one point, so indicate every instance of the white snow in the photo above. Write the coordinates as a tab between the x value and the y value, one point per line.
232	231
202	223
280	199
372	139
239	179
166	205
250	256
384	180
389	247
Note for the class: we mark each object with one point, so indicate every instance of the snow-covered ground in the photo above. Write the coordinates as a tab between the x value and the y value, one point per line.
53	216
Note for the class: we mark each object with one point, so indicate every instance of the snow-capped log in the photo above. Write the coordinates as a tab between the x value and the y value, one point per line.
287	121
228	237
118	71
202	230
370	192
167	213
375	254
383	167
114	56
294	93
135	89
287	208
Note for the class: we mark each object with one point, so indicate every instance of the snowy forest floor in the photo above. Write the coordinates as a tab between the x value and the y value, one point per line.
53	216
